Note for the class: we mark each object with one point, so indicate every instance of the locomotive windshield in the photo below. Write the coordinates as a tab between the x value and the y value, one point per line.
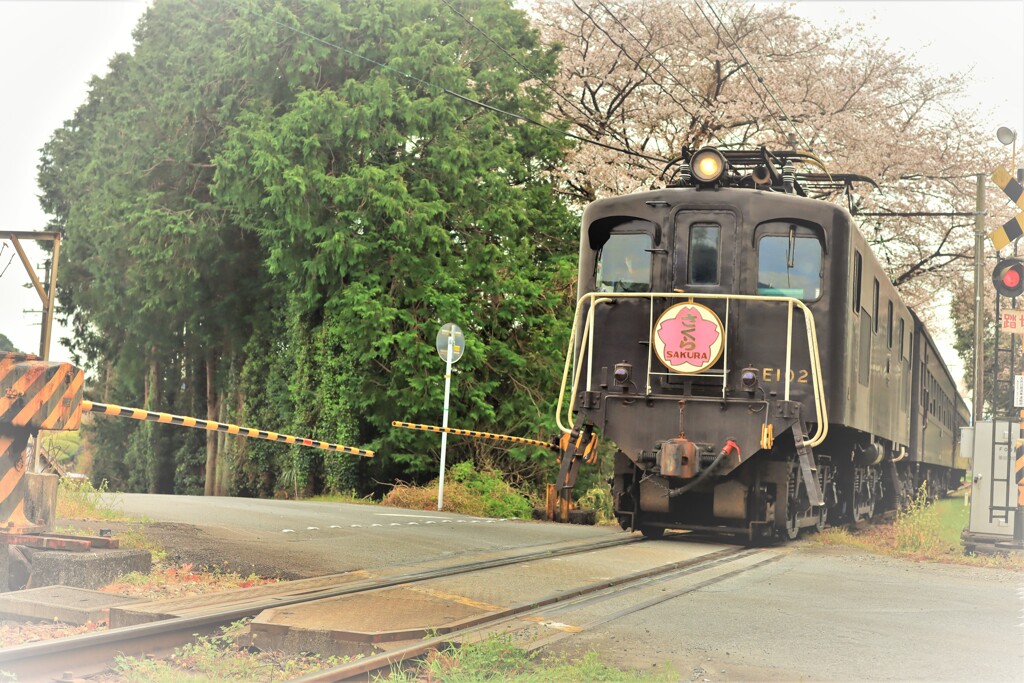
624	264
789	265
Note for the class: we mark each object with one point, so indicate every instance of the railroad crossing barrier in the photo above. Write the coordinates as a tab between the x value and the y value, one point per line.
37	394
210	425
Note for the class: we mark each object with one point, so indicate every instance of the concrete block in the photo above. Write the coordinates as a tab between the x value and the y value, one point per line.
85	570
41	498
61	603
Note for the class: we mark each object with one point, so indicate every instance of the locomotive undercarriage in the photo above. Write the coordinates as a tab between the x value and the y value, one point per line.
766	497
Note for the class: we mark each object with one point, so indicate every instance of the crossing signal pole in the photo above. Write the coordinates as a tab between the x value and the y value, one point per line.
1008	279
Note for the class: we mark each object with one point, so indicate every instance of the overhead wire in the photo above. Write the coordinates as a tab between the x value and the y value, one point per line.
464	98
753	88
565	98
697	98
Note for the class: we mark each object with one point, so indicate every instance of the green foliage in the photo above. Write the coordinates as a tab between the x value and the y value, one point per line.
599	499
6	344
79	499
498	659
498	498
920	529
270	229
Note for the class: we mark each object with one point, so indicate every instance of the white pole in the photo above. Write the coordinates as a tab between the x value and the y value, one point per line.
444	418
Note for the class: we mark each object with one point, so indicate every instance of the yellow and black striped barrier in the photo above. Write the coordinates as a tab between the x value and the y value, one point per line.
470	432
34	394
210	425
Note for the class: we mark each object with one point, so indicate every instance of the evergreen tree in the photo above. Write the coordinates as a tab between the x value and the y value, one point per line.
270	227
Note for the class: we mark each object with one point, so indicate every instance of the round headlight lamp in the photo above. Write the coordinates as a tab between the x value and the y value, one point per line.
707	165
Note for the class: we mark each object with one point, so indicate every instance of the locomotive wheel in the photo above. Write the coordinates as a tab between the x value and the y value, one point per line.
822	522
792	526
870	511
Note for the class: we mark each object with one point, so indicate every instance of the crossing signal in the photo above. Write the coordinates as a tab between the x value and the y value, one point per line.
1013	228
1008	277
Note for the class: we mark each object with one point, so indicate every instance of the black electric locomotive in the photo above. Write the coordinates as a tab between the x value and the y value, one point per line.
739	343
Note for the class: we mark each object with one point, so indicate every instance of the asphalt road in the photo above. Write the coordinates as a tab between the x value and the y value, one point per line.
295	539
815	614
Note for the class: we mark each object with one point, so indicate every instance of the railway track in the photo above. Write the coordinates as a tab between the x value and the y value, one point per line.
91	653
619	597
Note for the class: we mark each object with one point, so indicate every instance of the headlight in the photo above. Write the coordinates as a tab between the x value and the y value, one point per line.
707	165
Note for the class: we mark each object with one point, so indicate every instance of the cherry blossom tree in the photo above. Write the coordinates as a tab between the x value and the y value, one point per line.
648	77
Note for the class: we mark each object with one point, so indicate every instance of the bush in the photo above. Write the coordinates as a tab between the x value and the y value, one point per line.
498	498
598	499
918	528
466	491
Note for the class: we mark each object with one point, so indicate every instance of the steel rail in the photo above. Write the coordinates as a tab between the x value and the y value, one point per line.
606	588
91	653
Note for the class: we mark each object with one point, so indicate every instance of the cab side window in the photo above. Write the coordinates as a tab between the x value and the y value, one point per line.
624	264
789	265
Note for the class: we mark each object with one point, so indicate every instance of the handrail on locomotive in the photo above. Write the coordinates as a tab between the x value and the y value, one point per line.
590	301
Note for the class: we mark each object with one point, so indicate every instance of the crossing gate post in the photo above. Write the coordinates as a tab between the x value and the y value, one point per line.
34	394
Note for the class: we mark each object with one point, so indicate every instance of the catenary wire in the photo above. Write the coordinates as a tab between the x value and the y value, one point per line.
754	70
664	68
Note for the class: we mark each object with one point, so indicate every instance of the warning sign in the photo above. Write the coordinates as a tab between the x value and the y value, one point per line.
1012	321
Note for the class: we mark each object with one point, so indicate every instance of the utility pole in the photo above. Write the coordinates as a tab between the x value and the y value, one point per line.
48	297
979	310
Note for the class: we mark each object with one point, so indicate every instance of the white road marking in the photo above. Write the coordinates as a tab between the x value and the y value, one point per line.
312	528
287	531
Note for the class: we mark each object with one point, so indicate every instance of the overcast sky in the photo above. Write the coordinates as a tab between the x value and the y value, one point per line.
49	50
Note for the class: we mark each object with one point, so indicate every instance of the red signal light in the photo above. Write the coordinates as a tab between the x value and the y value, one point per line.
1011	278
1008	277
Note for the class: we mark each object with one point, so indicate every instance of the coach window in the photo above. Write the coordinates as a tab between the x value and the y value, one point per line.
702	257
902	331
874	305
888	327
624	264
858	266
789	265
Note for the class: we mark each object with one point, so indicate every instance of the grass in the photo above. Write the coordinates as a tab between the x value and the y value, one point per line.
497	659
220	658
348	497
79	499
925	530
